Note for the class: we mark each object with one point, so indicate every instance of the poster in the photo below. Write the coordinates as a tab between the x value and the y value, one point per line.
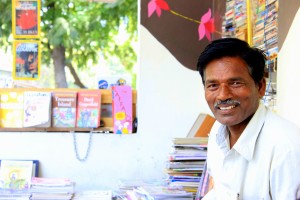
26	60
26	18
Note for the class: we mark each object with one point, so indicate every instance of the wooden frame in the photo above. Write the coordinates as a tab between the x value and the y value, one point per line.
26	18
26	59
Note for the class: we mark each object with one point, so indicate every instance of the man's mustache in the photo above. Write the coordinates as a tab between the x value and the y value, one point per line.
227	102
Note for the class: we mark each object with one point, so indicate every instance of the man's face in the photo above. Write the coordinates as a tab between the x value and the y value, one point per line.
228	78
30	58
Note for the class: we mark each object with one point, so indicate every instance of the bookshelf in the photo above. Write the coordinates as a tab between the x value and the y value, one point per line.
256	21
106	99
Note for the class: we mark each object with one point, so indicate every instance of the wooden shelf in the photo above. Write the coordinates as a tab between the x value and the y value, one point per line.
106	98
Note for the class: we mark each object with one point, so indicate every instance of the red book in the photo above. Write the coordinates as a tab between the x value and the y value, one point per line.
88	109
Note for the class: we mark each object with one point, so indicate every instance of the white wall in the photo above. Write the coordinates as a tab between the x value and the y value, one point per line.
169	99
288	74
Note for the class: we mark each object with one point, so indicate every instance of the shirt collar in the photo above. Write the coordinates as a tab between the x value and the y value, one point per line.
246	143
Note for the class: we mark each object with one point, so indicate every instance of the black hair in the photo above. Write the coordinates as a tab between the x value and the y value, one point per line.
233	47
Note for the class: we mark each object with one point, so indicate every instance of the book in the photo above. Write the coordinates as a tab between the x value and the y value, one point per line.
93	194
88	109
15	174
10	194
191	141
122	109
64	109
37	109
26	59
26	18
201	126
51	188
35	167
11	109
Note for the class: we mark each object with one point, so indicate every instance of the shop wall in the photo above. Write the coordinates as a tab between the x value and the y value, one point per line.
289	66
170	97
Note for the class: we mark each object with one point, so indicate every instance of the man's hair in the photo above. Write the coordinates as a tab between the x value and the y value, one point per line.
233	47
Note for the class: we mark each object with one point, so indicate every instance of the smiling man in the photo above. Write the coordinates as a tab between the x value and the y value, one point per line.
252	152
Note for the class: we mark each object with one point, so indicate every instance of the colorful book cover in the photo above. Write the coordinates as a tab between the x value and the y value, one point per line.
88	109
15	174
26	59
11	109
64	109
122	109
26	18
37	109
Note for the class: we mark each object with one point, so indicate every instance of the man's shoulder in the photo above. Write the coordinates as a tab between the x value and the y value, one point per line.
280	123
282	131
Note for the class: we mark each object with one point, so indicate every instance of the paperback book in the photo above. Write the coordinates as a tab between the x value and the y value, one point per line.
15	174
11	109
64	109
88	109
122	109
37	109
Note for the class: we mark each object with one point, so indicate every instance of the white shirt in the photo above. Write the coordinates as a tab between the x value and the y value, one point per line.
263	164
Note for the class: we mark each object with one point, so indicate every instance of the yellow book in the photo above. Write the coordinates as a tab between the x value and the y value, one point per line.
11	109
15	174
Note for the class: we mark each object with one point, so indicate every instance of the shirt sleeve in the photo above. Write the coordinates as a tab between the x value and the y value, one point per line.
285	175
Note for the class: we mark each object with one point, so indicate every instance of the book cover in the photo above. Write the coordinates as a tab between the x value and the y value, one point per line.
15	174
122	109
88	109
26	18
64	109
26	59
11	109
201	126
37	109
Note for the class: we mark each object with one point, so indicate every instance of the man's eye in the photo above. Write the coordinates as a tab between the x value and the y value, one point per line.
236	83
211	86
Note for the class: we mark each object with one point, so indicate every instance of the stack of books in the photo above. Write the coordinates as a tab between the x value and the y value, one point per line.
265	30
93	195
9	194
52	188
158	190
186	163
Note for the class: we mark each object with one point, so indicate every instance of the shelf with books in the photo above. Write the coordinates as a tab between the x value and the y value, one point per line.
12	101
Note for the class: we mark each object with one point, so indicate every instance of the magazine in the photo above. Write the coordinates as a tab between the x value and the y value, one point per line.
26	18
26	59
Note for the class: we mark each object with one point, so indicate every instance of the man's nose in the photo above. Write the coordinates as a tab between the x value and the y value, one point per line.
224	93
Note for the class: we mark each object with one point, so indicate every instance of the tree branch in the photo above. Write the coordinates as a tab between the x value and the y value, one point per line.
75	76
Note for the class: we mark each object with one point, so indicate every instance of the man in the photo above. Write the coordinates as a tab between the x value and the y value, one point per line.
252	152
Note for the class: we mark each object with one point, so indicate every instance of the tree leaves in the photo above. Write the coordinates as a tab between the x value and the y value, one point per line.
84	28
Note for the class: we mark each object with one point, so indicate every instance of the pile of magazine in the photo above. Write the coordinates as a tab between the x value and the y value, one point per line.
150	190
52	188
186	163
93	195
9	194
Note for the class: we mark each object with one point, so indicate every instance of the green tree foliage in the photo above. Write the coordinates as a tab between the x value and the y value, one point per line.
75	32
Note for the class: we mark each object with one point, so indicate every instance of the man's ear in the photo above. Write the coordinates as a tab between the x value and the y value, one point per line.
262	88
